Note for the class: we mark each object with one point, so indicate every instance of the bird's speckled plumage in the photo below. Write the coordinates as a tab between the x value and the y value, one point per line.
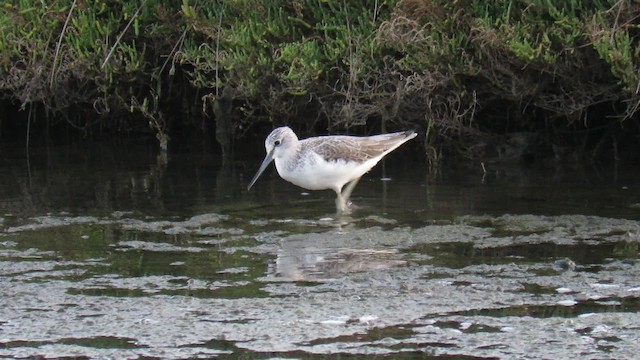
327	162
351	148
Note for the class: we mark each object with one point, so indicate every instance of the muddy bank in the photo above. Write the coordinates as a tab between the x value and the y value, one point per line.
217	284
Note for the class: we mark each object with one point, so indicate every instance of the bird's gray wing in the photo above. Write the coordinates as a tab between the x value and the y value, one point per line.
353	148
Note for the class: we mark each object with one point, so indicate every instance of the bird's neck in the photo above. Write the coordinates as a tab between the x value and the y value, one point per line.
290	157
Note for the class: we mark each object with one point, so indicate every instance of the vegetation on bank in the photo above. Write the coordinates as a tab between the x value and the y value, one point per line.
479	78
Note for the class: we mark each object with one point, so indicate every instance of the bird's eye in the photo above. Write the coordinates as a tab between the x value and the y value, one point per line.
276	143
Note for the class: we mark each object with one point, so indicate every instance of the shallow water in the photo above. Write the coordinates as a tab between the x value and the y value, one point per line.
107	252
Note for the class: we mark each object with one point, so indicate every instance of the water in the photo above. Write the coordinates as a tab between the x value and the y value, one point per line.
107	251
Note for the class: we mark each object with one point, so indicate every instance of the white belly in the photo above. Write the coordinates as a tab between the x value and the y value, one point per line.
317	174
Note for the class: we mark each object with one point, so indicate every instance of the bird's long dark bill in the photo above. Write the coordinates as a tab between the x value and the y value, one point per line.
265	163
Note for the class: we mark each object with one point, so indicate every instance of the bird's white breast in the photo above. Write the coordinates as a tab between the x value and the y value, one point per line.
312	172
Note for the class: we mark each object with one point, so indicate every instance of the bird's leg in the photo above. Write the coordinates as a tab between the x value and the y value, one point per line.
341	204
346	193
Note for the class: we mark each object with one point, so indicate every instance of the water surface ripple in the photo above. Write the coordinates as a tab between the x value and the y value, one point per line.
112	255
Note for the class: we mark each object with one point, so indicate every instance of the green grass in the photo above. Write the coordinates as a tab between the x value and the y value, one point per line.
326	64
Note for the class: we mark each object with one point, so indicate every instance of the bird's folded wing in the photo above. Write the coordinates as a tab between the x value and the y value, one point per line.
352	148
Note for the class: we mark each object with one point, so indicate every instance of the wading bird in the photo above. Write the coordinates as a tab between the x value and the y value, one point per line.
327	162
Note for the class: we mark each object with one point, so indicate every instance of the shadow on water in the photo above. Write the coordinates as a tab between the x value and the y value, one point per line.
103	177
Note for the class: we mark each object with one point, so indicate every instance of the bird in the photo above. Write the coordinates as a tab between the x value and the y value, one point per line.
335	162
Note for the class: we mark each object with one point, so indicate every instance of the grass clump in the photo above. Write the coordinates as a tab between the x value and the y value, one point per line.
469	73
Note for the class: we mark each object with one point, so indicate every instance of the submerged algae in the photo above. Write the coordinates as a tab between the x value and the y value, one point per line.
476	287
